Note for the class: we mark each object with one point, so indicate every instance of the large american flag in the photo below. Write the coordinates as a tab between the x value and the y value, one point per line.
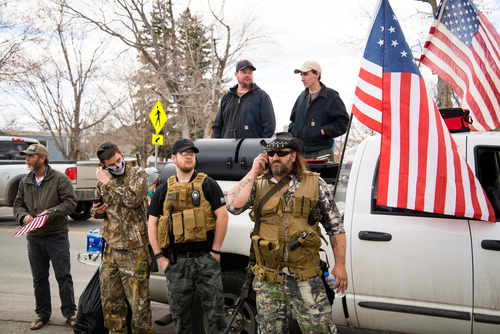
463	49
33	225
420	167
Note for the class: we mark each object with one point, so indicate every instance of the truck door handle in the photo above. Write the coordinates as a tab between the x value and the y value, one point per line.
491	244
374	236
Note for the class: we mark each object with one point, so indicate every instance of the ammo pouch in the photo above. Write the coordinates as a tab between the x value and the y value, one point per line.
189	225
163	236
266	251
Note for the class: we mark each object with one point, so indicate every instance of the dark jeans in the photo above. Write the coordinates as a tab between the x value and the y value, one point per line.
42	250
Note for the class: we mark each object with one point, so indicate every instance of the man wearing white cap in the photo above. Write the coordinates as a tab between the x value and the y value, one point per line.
319	115
245	111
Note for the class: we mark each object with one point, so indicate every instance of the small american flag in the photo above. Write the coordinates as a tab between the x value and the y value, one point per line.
35	223
463	49
420	167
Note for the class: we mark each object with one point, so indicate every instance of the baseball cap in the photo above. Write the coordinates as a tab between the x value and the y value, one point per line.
182	145
152	174
308	66
244	63
36	149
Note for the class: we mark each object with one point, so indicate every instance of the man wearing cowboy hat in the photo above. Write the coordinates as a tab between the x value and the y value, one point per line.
290	278
318	115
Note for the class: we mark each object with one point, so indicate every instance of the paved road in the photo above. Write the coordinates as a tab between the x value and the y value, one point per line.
16	292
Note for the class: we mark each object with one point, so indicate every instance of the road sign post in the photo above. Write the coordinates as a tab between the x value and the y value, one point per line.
158	119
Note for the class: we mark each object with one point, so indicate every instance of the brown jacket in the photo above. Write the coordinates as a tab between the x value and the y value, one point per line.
56	194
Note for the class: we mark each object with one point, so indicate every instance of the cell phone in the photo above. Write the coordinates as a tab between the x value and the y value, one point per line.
97	200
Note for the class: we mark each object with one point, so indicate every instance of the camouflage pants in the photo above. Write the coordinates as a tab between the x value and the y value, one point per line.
203	275
125	277
308	298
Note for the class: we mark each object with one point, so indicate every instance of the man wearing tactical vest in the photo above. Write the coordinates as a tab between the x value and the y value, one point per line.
187	225
290	278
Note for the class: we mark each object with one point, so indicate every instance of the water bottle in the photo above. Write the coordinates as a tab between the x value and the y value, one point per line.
330	280
94	241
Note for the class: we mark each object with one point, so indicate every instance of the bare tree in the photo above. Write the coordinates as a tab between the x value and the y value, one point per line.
15	30
66	93
173	51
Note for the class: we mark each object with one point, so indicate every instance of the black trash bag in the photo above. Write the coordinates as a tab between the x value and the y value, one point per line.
90	319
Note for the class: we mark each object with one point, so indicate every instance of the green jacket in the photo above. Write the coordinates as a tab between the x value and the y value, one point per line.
56	194
124	225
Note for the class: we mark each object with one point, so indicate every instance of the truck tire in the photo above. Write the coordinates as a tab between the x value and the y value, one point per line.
82	211
245	322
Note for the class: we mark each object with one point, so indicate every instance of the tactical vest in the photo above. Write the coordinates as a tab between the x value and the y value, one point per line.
189	223
282	224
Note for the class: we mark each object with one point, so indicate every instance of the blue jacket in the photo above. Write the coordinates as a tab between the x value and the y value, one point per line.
326	111
251	116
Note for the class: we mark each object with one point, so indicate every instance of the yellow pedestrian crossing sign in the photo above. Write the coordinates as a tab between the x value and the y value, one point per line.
158	117
157	139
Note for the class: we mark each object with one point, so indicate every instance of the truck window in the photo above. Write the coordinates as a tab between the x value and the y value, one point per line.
9	150
487	170
388	210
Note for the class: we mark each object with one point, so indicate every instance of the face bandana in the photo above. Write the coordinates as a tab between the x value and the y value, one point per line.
118	169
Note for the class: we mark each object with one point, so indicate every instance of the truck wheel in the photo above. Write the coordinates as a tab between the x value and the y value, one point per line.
82	211
244	322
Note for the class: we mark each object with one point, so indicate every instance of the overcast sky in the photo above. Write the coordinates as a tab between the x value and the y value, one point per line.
331	32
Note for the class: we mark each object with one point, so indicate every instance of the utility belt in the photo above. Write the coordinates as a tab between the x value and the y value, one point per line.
190	255
263	273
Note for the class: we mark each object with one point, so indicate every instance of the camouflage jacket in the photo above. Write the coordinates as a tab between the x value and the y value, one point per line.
124	226
331	216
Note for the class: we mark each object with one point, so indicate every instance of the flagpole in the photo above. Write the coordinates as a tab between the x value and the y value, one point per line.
342	156
441	11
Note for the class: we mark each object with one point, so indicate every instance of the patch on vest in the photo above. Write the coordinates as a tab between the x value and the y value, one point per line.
171	196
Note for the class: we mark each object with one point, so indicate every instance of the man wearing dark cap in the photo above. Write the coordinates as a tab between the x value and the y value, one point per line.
124	273
187	225
245	111
289	277
318	115
45	191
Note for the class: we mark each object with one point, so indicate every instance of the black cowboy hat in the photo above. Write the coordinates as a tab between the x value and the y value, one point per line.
283	140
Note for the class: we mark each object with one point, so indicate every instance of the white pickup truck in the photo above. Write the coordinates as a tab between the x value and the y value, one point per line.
13	169
409	272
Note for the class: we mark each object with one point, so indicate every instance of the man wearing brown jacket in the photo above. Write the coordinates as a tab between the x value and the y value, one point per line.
47	191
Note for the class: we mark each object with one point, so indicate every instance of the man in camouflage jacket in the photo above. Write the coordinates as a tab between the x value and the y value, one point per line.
125	262
290	279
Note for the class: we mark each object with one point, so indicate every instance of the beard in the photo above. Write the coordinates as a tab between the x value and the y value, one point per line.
187	169
34	167
244	84
280	169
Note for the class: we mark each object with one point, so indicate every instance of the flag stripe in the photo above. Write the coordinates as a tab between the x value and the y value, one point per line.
33	225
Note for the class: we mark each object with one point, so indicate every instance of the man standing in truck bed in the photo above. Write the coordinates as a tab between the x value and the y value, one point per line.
318	115
246	111
47	191
189	252
290	278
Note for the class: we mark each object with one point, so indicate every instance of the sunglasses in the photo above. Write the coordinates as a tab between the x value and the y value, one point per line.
104	147
280	154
